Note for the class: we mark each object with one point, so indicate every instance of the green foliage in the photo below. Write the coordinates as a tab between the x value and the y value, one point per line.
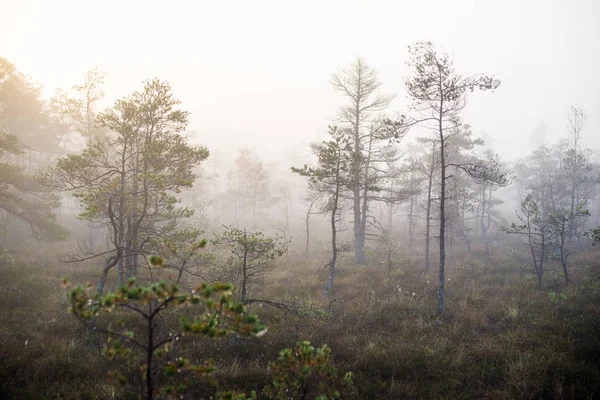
24	197
252	242
555	298
330	179
535	228
219	316
595	235
306	372
302	372
251	255
128	180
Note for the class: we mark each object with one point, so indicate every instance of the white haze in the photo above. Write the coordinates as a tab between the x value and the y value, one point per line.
256	73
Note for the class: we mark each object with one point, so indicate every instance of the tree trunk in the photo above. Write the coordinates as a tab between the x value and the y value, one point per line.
365	203
441	281
109	264
120	274
359	249
358	245
483	205
428	215
244	272
334	250
411	227
149	356
542	257
307	233
102	281
129	250
565	271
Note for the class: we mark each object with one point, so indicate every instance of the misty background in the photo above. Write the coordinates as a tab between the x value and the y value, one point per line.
257	185
257	74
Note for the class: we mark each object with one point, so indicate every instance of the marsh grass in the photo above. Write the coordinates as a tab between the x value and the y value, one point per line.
500	337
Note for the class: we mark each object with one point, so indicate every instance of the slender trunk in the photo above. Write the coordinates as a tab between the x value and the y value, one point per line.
365	201
136	219
150	354
129	250
542	257
307	222
334	251
120	274
181	269
411	227
488	258
307	233
441	282
109	264
428	215
449	239
358	250
358	234
572	209
102	281
563	252
121	231
244	272
483	205
565	270
532	247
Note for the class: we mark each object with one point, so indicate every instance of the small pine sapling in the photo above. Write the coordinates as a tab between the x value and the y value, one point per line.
306	372
219	316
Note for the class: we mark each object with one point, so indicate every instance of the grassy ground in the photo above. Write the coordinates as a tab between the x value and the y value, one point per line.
500	338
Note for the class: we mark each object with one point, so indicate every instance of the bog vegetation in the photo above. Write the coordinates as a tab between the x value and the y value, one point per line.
405	259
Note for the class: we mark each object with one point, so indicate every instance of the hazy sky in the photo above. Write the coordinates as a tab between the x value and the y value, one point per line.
257	72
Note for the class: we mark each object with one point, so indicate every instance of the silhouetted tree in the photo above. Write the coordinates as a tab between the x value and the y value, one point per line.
329	178
536	230
127	181
251	255
439	95
360	84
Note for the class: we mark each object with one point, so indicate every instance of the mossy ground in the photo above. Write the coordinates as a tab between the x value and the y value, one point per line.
499	338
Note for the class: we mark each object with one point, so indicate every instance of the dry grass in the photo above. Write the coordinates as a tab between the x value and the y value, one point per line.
500	338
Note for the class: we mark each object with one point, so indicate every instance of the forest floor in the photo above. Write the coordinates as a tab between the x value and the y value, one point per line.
499	337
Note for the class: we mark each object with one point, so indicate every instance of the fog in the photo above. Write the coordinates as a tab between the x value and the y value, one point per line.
257	73
284	200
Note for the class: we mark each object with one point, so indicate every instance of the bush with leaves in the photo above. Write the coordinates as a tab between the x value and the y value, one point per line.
535	228
220	316
251	255
595	234
306	372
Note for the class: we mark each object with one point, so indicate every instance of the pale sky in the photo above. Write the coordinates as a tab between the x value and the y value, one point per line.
257	72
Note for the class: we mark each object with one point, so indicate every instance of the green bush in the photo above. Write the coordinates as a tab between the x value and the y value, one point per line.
219	316
305	372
